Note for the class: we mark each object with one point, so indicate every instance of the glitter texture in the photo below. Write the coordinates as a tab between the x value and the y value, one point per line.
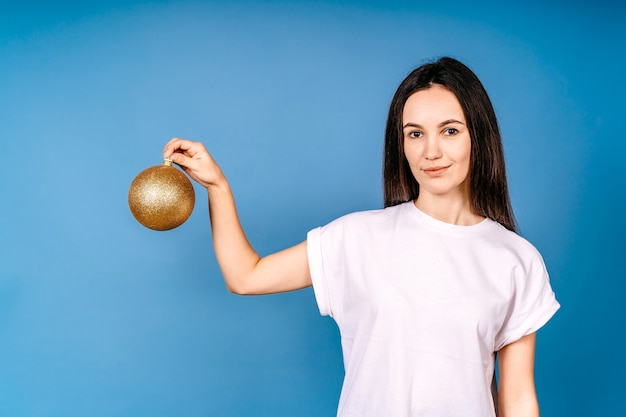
161	197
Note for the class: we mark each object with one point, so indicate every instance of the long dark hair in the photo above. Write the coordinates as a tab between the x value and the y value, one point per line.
489	194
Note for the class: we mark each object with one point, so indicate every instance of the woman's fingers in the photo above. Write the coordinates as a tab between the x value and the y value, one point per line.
185	146
194	159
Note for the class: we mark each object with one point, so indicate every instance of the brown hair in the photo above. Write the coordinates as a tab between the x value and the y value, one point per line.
489	195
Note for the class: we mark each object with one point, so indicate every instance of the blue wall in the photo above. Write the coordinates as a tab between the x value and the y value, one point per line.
102	317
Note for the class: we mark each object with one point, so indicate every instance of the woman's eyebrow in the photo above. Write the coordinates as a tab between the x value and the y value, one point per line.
445	122
411	124
450	121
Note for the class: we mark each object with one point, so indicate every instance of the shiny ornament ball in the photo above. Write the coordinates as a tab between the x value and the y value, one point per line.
161	197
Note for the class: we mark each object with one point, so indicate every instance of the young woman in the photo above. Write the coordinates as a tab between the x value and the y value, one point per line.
428	290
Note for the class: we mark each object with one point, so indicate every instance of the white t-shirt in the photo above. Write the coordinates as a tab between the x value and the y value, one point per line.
422	306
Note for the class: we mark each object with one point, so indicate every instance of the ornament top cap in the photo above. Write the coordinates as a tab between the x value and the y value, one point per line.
167	162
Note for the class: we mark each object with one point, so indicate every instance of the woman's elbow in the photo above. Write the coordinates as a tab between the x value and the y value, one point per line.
242	287
237	288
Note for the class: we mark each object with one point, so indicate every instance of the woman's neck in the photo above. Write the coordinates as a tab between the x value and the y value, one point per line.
449	210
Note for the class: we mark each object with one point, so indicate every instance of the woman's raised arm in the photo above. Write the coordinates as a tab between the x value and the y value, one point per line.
244	271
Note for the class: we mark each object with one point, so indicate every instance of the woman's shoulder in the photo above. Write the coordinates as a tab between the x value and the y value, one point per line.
372	216
515	242
364	221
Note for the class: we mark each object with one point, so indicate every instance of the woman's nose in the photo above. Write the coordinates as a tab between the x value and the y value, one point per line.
433	149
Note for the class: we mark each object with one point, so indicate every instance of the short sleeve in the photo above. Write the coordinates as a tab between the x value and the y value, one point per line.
533	302
316	267
326	251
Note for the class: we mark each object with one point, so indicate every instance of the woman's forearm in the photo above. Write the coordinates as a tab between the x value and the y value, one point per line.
236	257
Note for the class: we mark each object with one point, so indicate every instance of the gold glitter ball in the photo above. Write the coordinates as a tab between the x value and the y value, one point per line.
161	197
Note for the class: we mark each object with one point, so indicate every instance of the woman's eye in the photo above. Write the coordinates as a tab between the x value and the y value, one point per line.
450	131
415	134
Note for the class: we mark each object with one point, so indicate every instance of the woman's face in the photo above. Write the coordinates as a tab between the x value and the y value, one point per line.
437	142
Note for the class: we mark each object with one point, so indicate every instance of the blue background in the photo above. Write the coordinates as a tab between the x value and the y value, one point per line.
102	317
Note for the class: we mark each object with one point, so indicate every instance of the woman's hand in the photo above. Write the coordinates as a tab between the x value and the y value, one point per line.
196	161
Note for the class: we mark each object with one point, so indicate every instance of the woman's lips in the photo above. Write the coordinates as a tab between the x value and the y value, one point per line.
435	171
